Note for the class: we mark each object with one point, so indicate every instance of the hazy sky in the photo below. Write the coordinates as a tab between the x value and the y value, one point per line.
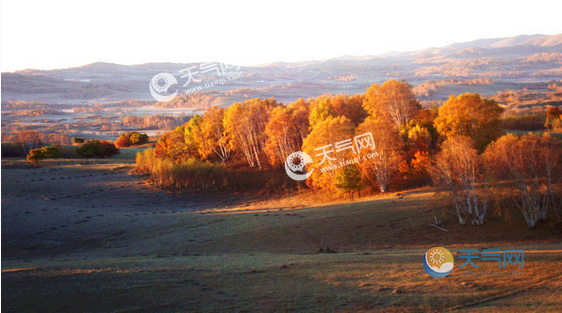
59	34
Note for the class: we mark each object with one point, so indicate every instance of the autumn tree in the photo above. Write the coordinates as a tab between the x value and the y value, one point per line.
245	125
171	145
553	113
470	115
35	155
190	131
29	139
286	130
137	138
553	118
393	100
333	106
329	145
531	165
122	142
210	134
458	169
282	136
320	110
50	152
131	139
350	107
386	153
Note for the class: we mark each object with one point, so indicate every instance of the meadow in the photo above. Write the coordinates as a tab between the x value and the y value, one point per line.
94	237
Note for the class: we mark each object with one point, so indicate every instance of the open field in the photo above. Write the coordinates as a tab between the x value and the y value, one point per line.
94	238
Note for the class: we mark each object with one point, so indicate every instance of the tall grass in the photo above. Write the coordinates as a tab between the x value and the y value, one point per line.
194	174
191	174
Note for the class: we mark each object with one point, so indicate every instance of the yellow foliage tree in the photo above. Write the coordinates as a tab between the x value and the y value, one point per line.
325	145
285	131
393	100
245	128
470	115
380	169
210	135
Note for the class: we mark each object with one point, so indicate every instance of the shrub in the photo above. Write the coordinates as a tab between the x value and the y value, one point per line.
97	149
131	139
38	154
122	142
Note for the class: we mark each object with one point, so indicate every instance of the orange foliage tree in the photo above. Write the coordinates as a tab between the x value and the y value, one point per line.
531	166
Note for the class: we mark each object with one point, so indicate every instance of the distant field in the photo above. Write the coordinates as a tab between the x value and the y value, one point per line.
92	237
523	132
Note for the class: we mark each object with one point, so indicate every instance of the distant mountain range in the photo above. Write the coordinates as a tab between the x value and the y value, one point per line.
512	60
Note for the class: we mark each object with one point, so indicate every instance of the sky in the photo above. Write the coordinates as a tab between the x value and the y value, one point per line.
62	34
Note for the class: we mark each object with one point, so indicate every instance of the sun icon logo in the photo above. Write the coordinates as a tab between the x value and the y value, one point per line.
438	262
436	256
296	162
159	84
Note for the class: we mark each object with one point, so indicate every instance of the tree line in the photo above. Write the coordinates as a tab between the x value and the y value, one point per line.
459	147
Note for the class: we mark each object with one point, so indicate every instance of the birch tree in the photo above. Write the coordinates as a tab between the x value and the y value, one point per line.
245	128
386	156
531	165
458	169
210	134
393	100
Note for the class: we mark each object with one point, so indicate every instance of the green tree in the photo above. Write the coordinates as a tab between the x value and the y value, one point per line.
97	149
52	152
348	179
137	138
